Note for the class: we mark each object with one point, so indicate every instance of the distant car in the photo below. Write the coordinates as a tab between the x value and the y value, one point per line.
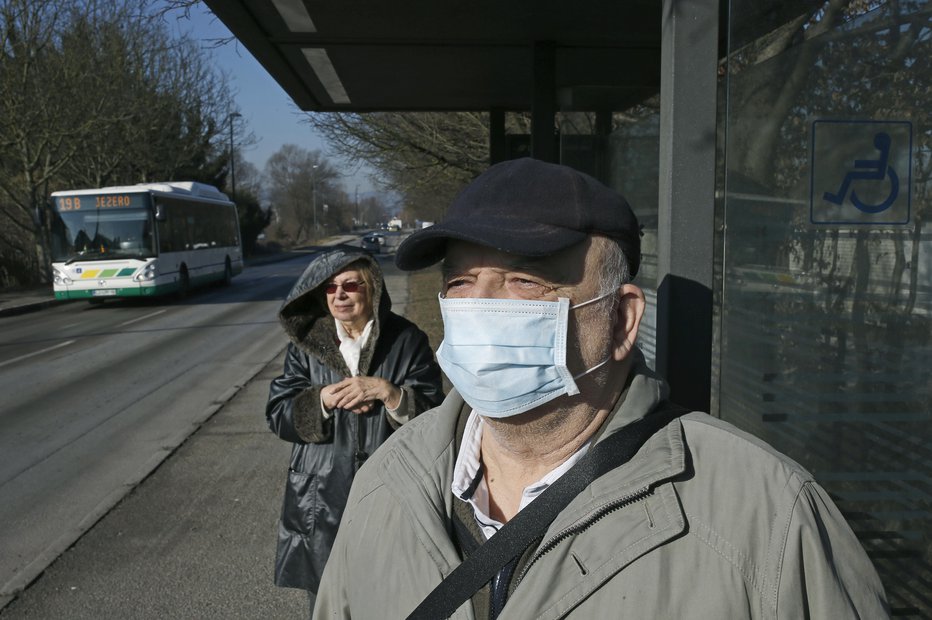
373	243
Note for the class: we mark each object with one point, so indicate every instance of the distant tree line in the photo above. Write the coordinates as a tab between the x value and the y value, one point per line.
308	199
96	93
424	157
428	157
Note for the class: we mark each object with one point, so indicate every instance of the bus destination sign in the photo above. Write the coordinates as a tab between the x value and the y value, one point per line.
101	201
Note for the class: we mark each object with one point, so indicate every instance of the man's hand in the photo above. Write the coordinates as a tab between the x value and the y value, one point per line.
358	394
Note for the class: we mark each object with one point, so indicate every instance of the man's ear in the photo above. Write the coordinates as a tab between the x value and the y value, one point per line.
627	320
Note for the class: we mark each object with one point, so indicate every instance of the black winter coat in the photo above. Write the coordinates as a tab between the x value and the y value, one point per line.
328	452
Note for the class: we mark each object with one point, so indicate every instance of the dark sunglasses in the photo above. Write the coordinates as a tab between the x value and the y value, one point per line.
348	287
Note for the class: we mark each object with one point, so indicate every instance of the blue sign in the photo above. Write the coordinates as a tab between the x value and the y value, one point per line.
861	172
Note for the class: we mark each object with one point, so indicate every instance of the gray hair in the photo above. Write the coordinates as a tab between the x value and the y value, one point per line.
613	269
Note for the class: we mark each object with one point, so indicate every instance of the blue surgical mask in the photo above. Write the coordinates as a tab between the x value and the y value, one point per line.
507	356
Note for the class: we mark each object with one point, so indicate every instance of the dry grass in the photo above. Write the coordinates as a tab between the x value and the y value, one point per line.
423	308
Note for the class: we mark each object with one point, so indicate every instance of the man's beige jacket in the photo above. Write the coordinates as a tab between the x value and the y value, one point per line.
704	522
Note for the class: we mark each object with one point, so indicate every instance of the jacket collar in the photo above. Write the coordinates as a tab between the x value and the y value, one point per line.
661	458
418	468
428	445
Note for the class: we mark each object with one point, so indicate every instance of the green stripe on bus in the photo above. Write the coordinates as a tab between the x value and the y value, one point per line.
126	272
141	291
107	273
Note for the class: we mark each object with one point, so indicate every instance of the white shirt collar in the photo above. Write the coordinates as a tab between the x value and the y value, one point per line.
469	485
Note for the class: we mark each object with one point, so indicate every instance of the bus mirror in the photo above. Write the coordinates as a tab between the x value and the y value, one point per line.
160	213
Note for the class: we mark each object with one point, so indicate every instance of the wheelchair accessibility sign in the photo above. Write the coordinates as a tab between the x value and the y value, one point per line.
861	172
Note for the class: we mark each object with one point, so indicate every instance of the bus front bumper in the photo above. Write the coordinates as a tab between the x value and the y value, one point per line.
114	292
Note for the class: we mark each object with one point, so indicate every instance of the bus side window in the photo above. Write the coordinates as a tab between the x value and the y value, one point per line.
165	225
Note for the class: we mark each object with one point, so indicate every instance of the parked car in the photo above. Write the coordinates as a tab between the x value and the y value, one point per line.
373	243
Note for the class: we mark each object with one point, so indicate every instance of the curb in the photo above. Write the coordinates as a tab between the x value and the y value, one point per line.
31	306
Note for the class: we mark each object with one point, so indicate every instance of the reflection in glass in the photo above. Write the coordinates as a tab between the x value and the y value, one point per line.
825	328
102	234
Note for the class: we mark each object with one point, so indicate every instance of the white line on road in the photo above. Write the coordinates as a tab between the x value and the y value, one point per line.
34	353
151	314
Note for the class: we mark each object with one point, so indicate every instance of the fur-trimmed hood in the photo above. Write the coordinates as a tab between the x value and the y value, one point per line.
306	319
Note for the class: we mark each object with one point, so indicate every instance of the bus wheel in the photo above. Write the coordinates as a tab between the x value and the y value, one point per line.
227	273
184	282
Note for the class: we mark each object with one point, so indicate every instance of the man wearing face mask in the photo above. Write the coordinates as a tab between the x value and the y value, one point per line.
556	480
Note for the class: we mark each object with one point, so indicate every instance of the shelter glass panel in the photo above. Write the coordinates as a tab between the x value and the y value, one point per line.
826	274
631	166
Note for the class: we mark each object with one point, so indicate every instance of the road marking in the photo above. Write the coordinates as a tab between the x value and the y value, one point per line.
151	314
34	353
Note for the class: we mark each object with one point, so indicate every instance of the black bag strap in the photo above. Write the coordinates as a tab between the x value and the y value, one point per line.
531	522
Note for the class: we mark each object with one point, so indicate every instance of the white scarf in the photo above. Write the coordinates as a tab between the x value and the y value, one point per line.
351	347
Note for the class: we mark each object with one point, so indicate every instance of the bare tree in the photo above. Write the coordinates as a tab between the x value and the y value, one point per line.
426	157
371	210
299	183
37	133
248	177
96	92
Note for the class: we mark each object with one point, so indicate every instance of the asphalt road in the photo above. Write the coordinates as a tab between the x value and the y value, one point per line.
96	396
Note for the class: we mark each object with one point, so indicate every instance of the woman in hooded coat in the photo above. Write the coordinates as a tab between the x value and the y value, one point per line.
354	371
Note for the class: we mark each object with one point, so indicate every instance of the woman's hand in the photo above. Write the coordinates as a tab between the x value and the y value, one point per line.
358	394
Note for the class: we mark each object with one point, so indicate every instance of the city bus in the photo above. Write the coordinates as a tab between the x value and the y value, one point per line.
149	239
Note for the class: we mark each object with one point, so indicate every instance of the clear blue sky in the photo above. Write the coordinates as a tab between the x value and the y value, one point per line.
267	110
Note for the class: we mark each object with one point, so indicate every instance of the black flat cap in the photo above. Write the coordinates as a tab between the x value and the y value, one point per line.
529	208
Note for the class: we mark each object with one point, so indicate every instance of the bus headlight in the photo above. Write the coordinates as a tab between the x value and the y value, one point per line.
60	278
147	274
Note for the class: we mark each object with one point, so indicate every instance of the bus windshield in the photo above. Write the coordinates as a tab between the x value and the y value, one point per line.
101	235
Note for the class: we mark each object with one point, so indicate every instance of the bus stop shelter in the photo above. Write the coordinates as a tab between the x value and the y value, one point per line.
538	57
782	184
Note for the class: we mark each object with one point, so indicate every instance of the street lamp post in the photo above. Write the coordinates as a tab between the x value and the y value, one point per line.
232	155
314	196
